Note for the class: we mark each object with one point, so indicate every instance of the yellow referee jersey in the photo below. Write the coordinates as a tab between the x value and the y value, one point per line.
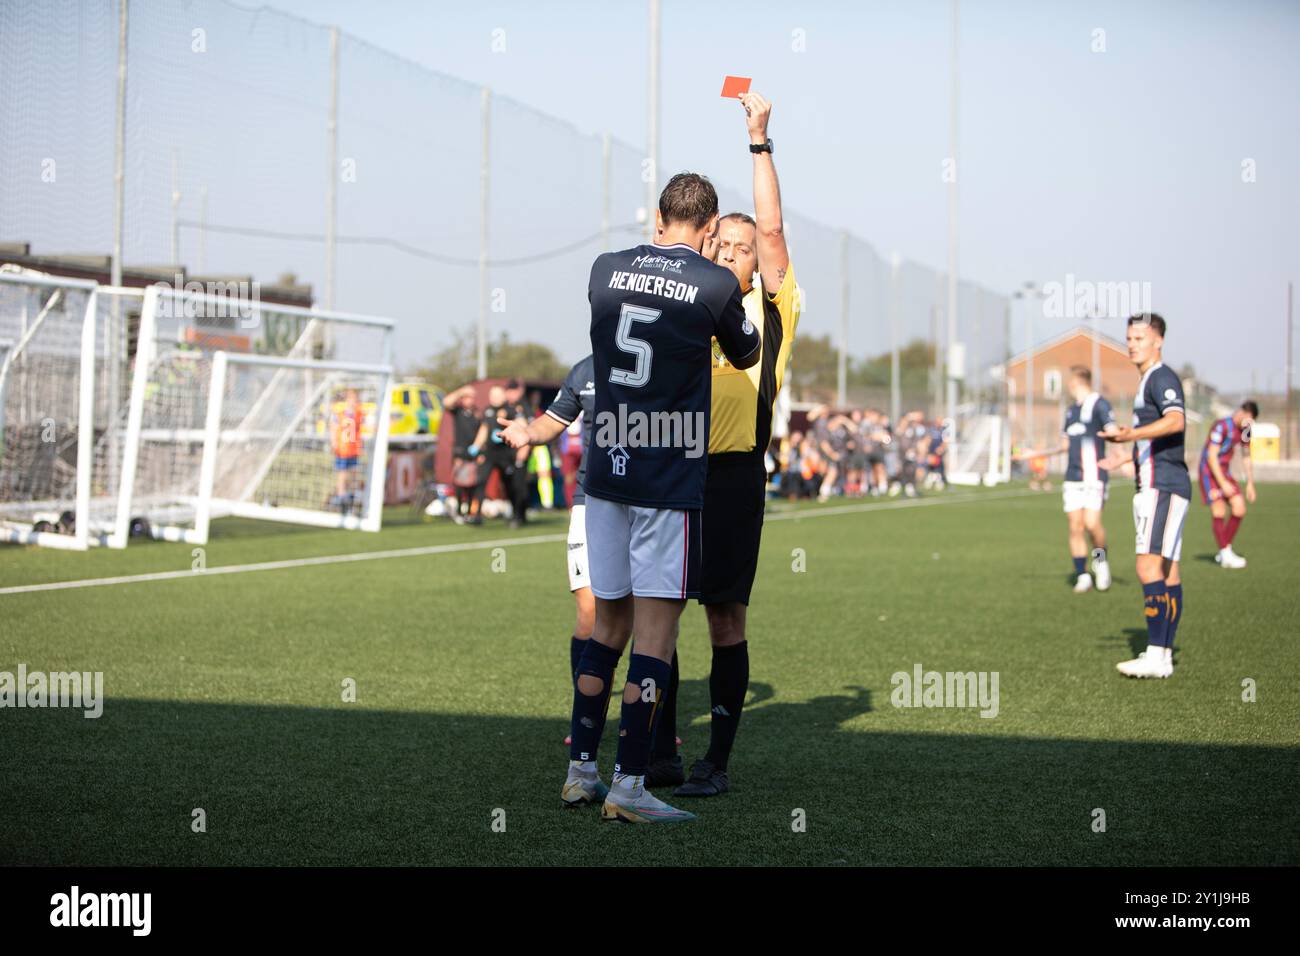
743	398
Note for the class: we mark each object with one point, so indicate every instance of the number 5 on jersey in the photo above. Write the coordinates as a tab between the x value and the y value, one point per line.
629	343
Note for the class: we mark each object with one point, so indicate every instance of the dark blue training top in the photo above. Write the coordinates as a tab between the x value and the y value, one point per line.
655	311
1158	463
577	396
1084	422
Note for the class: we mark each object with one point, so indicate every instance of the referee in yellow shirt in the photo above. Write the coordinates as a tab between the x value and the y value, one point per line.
739	432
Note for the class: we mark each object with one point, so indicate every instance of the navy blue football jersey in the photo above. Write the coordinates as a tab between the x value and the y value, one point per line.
654	313
1084	422
577	396
1159	463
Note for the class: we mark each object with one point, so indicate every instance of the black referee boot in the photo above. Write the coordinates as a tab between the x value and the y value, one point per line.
665	772
706	781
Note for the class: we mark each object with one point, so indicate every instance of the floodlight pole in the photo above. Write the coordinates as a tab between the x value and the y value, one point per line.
652	137
484	185
114	332
1290	299
895	386
331	188
951	396
604	192
842	369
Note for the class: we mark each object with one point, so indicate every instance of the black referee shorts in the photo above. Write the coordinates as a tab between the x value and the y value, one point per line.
733	523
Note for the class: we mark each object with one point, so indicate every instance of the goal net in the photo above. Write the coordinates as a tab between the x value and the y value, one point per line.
58	372
264	411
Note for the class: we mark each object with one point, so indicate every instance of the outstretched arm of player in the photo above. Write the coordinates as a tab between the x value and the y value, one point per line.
519	433
1171	423
1044	453
773	256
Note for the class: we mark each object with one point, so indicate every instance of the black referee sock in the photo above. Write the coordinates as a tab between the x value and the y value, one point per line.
728	685
664	745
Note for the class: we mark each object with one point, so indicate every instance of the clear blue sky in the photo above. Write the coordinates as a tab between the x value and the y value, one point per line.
1114	166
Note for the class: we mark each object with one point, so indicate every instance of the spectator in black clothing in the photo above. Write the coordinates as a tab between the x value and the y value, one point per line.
465	468
493	452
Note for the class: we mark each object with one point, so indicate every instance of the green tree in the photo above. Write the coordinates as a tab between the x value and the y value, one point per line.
456	363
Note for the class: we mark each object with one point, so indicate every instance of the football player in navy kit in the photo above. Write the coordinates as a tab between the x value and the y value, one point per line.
576	398
655	310
1164	491
1085	485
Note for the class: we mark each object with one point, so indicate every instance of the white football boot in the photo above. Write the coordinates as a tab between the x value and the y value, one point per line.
1083	584
1153	662
628	801
1101	572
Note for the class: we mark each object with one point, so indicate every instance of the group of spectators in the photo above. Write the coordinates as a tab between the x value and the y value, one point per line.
858	453
527	475
853	453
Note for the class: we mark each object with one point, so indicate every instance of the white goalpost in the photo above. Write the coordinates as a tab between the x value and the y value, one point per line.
237	409
56	364
225	407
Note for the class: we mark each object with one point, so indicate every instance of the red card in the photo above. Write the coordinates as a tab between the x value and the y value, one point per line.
735	86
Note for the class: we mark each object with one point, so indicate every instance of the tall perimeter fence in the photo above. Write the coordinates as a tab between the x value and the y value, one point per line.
253	143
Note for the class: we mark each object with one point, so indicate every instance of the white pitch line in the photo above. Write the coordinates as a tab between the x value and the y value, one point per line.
459	547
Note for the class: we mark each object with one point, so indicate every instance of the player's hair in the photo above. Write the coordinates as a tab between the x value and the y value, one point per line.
1249	406
688	197
740	217
1151	319
1082	374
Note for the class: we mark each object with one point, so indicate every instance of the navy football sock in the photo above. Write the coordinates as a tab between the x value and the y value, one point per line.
664	745
589	709
1156	600
575	654
1175	611
1080	564
651	678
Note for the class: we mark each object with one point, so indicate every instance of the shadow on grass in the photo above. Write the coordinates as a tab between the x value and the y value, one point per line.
288	786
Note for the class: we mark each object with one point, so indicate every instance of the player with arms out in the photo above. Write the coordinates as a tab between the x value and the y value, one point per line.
655	310
1219	489
1087	422
1164	491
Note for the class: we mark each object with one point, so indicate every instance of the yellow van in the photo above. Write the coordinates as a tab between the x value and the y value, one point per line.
417	409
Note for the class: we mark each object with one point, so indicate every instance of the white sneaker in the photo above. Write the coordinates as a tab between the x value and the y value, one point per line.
1231	559
1101	571
1153	662
1084	583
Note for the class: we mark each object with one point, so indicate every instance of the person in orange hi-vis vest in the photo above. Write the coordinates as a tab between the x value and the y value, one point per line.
345	438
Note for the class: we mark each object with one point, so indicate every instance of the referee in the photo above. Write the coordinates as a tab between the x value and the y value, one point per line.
740	430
